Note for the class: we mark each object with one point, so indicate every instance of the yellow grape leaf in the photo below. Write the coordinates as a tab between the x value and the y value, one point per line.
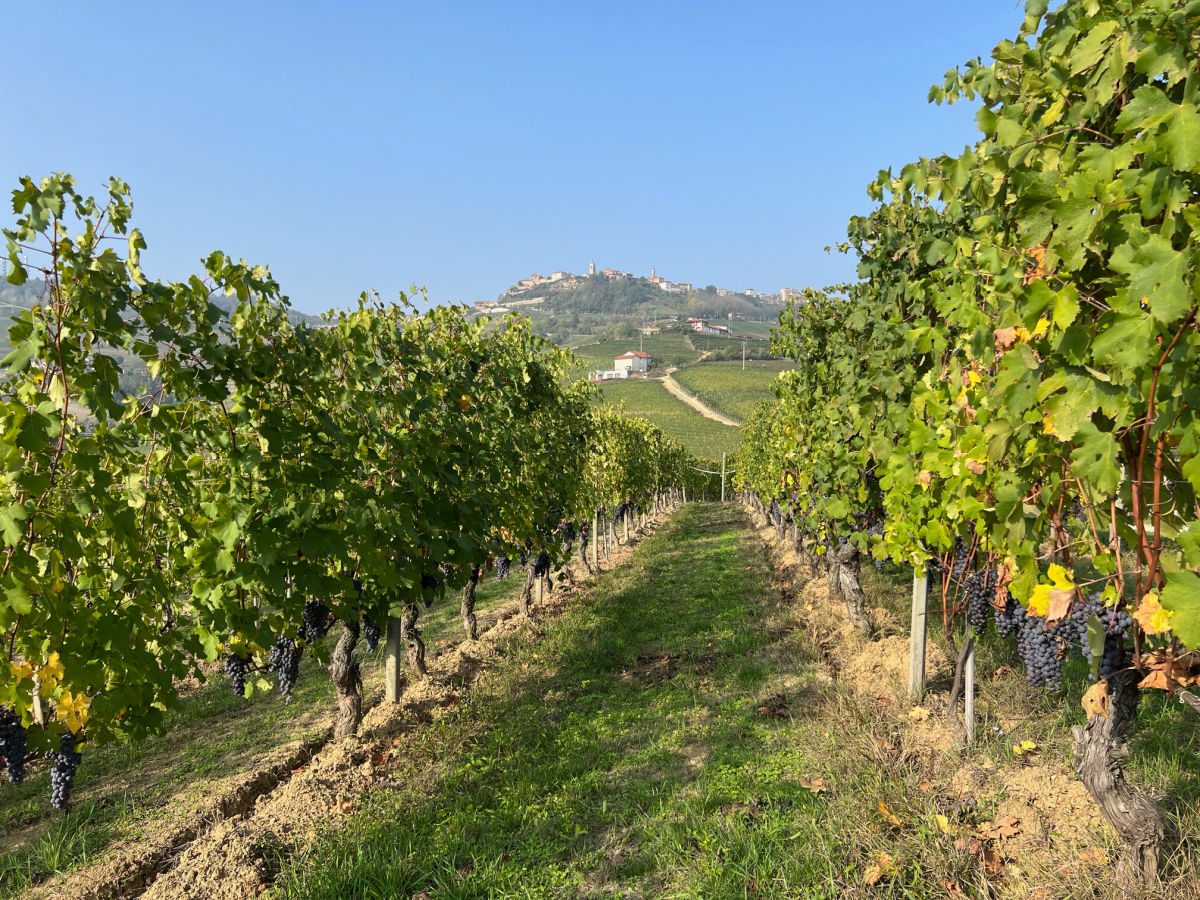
72	710
1043	594
1151	615
21	670
1024	747
884	866
918	714
892	819
53	669
943	824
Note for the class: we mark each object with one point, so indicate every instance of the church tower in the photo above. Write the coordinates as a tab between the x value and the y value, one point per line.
592	267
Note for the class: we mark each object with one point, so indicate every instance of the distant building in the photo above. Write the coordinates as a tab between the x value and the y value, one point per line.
701	326
655	278
610	374
616	274
786	294
634	362
592	267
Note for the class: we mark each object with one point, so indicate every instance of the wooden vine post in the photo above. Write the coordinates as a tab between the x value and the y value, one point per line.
393	673
596	541
916	646
969	692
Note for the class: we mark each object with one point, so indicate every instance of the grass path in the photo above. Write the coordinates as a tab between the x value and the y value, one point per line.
639	748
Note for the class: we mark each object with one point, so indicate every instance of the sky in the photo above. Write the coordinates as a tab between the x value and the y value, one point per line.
462	146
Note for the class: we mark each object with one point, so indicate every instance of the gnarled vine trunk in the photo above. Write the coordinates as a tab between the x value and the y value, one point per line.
467	608
584	541
1100	746
412	638
527	589
347	679
844	568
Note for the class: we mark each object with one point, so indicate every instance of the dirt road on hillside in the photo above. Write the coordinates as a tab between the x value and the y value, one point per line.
678	390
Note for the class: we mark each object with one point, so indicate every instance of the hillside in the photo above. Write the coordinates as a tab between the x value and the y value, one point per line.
572	305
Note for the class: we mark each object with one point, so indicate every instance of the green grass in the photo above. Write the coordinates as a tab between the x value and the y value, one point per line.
702	437
124	790
667	350
726	387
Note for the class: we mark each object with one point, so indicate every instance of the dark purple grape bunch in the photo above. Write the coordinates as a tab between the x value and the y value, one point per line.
284	660
371	634
1042	648
62	772
503	568
979	589
1117	625
1009	617
236	668
315	621
12	744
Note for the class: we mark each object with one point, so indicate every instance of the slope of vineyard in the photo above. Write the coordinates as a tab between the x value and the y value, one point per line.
702	437
729	388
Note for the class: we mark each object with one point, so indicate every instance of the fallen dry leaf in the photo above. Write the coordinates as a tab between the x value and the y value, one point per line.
1001	829
345	807
918	714
1094	856
1023	748
892	819
925	786
884	866
816	785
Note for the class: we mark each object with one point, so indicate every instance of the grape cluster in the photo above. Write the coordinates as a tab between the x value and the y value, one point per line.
541	565
371	635
430	585
980	588
285	660
622	510
236	668
1009	618
315	621
62	772
1117	623
1042	649
503	568
12	744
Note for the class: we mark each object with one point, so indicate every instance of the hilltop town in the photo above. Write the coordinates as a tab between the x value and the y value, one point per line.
535	289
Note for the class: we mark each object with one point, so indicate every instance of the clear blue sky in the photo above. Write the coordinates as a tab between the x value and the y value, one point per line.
360	145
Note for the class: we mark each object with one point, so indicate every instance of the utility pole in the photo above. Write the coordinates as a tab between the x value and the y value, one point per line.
743	355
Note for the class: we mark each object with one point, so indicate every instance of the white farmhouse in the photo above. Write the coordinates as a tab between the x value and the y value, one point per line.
633	362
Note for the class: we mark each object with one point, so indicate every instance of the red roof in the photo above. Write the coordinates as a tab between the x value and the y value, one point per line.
634	353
